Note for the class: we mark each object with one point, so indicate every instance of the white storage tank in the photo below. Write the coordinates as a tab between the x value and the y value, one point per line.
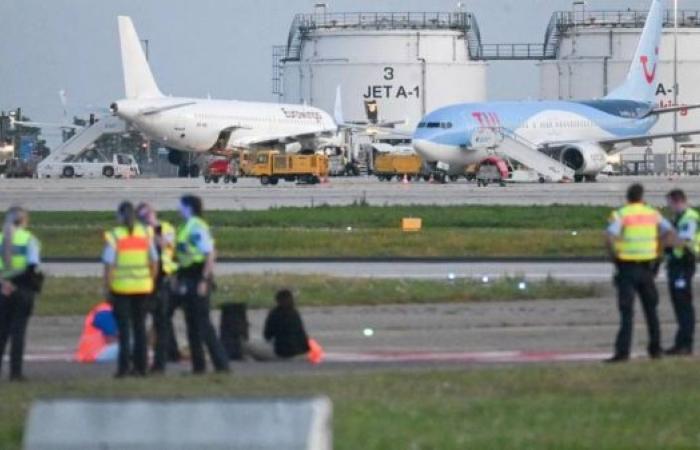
595	49
410	63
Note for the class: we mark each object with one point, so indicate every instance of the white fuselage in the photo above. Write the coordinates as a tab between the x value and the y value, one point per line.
195	125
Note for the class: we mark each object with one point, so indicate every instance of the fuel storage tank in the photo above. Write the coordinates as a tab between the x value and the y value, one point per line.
595	49
409	63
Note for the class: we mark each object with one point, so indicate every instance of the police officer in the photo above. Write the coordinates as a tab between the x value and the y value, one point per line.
680	265
160	305
19	283
633	243
195	256
131	263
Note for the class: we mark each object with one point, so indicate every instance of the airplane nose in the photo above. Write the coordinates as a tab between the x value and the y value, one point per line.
424	147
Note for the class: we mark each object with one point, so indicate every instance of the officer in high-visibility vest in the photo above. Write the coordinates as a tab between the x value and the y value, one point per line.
160	305
634	242
680	266
131	264
19	262
195	256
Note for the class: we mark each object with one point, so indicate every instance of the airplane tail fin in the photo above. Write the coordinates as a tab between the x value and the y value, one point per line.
641	82
138	78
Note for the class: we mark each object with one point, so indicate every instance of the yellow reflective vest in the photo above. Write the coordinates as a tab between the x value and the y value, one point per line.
639	241
167	254
689	215
132	271
19	262
188	253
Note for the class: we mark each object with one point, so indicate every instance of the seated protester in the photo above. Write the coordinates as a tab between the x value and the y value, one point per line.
285	336
98	342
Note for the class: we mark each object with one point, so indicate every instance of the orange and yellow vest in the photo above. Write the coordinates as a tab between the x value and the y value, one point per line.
639	241
132	272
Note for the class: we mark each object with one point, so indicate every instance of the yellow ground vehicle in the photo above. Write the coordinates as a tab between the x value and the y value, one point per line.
245	160
271	166
388	166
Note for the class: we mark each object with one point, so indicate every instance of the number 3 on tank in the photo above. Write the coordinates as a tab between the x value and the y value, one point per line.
388	73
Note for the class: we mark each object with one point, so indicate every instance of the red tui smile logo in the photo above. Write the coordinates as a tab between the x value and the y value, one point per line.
649	75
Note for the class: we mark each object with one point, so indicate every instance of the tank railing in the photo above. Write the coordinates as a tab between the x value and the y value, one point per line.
624	19
384	20
279	53
514	52
474	44
293	52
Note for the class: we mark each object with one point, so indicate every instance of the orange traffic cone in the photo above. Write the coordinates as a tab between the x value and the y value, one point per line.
316	353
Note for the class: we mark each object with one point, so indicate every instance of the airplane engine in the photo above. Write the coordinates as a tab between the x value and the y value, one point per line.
175	157
586	159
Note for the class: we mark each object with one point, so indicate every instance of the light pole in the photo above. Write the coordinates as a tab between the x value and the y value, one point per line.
675	83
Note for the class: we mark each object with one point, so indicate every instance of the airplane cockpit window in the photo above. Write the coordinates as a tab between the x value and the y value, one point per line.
433	124
421	125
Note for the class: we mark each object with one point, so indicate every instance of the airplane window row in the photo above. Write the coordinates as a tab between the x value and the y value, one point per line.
253	119
443	125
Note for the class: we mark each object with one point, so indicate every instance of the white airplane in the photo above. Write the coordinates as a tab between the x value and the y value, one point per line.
204	126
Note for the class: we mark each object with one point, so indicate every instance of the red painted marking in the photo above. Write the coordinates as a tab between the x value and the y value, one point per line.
649	75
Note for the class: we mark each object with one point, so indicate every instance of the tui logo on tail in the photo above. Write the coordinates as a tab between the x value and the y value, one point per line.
649	75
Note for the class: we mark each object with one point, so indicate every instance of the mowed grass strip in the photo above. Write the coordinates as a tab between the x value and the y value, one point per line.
361	231
596	407
75	296
541	217
88	242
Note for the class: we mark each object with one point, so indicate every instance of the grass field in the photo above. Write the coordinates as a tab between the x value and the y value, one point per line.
75	296
360	231
638	406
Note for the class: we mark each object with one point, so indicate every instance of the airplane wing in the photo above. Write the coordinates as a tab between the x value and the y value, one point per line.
251	141
672	109
643	140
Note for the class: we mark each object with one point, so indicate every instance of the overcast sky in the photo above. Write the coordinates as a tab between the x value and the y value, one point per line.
220	48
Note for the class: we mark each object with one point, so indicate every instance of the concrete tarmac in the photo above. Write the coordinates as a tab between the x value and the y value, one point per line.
248	194
579	272
362	339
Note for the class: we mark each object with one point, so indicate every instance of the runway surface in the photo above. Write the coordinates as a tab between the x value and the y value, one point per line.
402	337
581	272
248	194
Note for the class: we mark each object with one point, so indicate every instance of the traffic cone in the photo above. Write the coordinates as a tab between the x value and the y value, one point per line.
405	179
316	353
431	180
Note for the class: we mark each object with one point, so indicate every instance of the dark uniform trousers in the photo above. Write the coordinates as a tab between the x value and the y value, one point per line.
130	314
15	311
631	279
161	307
200	330
680	284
